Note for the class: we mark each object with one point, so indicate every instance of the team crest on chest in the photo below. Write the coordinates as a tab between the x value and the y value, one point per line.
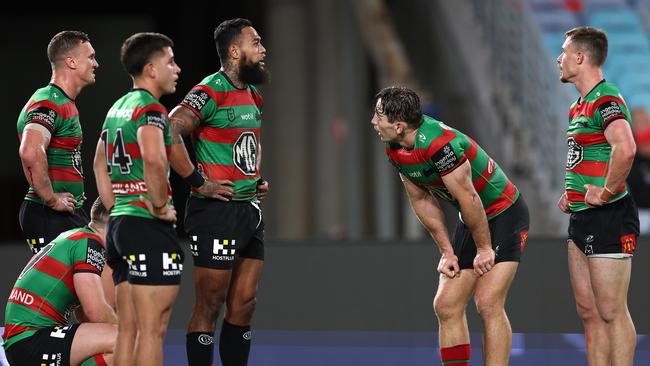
574	155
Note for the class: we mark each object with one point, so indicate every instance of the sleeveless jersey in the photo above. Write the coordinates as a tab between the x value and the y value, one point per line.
51	108
226	140
439	150
44	294
124	161
589	152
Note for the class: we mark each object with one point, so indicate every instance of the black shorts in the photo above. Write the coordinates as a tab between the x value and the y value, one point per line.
607	230
48	346
222	231
509	232
41	224
143	251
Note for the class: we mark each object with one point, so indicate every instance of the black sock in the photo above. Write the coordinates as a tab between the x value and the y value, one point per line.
200	348
234	344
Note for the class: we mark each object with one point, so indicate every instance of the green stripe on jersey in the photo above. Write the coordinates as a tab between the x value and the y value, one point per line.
119	133
588	151
52	108
47	276
438	150
227	139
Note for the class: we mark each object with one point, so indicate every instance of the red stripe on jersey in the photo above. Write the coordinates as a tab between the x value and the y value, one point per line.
84	235
36	303
139	111
133	149
482	181
81	266
506	199
472	151
586	139
233	98
587	109
590	168
65	110
65	143
419	155
56	269
575	196
14	329
220	171
224	135
62	174
439	142
458	163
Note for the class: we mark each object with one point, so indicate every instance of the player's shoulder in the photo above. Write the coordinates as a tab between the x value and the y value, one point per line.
49	96
605	91
217	82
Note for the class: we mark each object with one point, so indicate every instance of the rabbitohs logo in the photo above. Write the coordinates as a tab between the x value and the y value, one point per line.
574	155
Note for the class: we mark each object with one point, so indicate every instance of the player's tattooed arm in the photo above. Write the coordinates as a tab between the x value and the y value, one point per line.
183	122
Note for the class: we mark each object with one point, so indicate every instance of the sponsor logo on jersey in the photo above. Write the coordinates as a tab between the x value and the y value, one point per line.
415	174
445	158
610	111
95	258
231	114
172	264
137	264
157	119
248	116
123	113
574	154
244	153
129	187
21	297
224	249
196	99
43	115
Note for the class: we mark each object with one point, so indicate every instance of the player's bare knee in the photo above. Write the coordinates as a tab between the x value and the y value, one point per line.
611	311
587	311
446	309
488	305
241	311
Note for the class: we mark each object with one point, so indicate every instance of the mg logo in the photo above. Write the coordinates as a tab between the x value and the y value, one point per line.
244	153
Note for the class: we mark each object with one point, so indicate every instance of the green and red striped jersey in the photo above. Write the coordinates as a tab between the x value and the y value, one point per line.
51	108
44	294
589	152
124	161
226	140
439	150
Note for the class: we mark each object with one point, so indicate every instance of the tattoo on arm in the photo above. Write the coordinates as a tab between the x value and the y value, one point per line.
183	122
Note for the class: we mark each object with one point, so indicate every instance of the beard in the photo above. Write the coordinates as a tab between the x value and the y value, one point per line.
253	74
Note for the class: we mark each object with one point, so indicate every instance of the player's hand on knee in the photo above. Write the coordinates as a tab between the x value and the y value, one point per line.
219	189
563	203
448	265
484	261
62	202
